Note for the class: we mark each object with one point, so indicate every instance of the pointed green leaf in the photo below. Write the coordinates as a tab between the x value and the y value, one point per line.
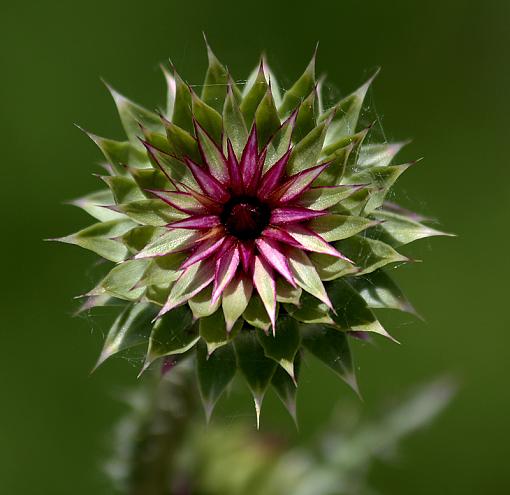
285	387
266	118
121	281
163	270
181	142
306	275
306	153
280	142
355	203
300	90
149	178
173	333
310	310
256	315
92	204
381	178
192	280
234	124
369	254
379	154
213	155
398	230
171	240
346	113
336	227
181	116
170	91
338	164
150	212
174	168
157	140
275	85
118	154
124	189
96	302
329	267
214	332
283	346
256	368
252	78
132	115
99	239
254	96
131	328
355	140
332	348
215	84
208	118
306	117
343	155
352	312
201	304
380	291
235	299
320	98
238	95
323	198
392	207
157	294
264	282
214	372
285	293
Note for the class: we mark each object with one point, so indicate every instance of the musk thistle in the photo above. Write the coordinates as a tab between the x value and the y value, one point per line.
247	225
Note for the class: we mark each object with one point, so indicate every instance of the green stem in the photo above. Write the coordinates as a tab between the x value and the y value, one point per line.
157	430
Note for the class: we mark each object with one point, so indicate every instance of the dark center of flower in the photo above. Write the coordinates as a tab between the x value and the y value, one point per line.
245	217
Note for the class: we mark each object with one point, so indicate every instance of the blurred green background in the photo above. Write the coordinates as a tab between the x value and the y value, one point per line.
444	83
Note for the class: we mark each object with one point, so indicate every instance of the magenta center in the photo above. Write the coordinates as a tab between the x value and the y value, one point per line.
245	217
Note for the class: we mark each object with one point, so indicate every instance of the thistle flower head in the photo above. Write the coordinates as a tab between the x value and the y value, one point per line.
248	218
247	226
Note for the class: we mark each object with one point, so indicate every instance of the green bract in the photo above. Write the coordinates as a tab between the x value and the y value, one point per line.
247	226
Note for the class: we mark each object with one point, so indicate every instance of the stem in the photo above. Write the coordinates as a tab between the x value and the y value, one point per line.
155	432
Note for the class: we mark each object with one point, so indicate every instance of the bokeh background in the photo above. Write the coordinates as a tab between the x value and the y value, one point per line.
444	83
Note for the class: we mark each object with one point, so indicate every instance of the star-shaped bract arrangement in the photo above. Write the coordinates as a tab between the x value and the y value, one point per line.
247	226
246	219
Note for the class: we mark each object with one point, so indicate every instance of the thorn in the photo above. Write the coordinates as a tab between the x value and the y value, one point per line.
145	366
117	97
208	409
388	336
258	404
165	70
162	116
352	381
205	39
102	358
414	162
371	79
261	67
314	58
80	127
288	366
407	259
